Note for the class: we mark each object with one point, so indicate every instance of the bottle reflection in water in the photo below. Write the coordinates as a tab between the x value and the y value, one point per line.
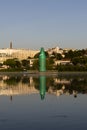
42	86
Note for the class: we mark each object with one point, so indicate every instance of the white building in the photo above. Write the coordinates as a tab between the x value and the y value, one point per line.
16	53
56	50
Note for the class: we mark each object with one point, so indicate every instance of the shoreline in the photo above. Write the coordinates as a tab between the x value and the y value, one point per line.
47	73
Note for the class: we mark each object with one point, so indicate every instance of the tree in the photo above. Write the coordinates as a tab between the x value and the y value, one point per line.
10	62
18	64
36	64
25	64
49	63
69	54
58	56
37	55
79	60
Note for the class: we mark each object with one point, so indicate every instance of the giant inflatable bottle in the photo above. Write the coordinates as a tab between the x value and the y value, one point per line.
42	60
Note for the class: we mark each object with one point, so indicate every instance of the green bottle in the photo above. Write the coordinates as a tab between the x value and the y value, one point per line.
42	60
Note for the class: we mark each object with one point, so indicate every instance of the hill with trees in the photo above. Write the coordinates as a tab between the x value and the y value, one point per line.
71	60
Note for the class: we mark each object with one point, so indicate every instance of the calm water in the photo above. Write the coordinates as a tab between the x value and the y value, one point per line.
43	103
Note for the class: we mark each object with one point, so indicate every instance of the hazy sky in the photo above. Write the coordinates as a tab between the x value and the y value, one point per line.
43	23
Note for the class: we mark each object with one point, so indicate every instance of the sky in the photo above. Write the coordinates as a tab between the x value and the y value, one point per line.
33	24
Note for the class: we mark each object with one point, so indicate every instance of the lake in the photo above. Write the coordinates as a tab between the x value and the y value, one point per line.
43	102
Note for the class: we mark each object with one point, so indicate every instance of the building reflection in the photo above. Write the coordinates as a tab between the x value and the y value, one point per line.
9	88
23	85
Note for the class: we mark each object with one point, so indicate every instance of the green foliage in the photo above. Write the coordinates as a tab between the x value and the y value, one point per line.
72	54
37	55
68	67
12	63
35	64
79	60
1	64
49	63
57	56
25	64
69	55
46	53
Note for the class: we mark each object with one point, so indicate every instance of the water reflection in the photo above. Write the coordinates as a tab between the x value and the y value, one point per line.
19	85
42	79
36	106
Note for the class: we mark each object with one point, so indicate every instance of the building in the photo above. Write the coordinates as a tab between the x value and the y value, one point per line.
10	53
55	50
